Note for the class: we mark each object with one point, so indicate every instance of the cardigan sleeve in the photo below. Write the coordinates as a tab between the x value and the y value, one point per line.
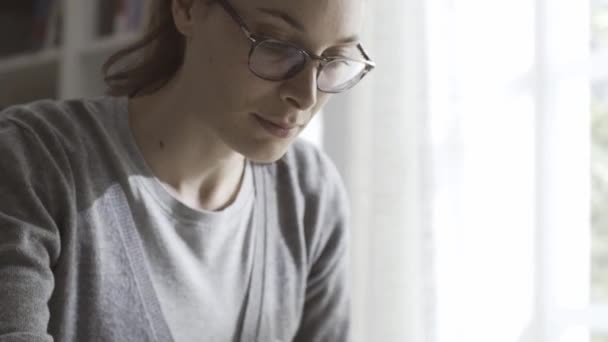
29	238
326	316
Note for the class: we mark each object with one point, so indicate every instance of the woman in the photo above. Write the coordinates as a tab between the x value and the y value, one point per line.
182	208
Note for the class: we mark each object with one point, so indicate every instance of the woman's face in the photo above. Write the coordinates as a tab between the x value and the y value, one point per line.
243	110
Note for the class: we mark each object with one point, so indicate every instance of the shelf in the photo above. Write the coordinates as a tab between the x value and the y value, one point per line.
109	45
24	78
73	69
94	55
34	60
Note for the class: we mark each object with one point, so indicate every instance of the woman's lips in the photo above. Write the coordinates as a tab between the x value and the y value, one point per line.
277	130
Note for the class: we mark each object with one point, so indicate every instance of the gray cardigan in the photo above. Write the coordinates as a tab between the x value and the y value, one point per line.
72	266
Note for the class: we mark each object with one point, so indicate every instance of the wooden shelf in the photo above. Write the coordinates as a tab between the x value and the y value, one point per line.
72	70
108	45
24	78
94	55
33	60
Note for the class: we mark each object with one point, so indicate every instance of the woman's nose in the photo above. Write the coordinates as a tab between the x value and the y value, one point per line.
300	91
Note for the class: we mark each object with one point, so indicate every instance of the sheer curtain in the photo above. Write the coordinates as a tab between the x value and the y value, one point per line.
510	145
466	157
376	135
483	146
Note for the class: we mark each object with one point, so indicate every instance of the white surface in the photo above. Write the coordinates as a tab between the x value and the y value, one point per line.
482	136
563	169
510	135
374	133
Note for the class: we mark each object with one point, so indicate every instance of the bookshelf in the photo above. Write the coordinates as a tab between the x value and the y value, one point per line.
77	37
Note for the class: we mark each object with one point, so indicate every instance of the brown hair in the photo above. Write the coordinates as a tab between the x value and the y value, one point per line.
150	62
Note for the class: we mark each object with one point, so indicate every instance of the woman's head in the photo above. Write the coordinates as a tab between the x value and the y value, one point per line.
246	94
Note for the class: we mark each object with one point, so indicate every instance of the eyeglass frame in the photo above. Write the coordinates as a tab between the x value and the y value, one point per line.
257	39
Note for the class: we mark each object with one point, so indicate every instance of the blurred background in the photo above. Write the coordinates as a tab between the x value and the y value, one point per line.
475	155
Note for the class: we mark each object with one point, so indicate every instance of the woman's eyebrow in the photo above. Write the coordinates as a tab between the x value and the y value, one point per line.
285	17
296	24
349	40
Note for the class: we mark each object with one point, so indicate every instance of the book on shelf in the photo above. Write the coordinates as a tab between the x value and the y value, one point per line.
28	26
53	26
120	16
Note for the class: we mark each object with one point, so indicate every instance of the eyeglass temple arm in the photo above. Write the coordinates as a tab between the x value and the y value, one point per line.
232	12
365	55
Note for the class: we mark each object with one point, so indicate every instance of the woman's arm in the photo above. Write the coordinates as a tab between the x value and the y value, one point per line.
326	316
29	238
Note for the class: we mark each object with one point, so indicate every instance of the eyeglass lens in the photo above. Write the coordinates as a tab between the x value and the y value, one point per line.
274	60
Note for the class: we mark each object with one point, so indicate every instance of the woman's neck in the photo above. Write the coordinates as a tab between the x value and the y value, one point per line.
186	156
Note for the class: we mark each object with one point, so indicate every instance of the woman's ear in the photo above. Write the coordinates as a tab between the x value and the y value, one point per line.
182	16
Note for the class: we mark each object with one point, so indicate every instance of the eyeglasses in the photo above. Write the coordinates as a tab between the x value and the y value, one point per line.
276	60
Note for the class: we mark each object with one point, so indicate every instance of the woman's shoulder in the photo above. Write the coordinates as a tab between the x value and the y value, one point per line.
308	161
308	180
62	119
34	126
310	169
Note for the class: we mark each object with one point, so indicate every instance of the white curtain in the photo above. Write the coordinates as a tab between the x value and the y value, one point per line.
376	134
466	157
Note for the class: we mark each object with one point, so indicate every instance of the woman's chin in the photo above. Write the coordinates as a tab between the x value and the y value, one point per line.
267	153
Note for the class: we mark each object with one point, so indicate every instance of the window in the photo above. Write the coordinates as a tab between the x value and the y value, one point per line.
509	98
599	168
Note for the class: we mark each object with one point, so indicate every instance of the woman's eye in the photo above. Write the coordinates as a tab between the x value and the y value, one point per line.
270	32
352	53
